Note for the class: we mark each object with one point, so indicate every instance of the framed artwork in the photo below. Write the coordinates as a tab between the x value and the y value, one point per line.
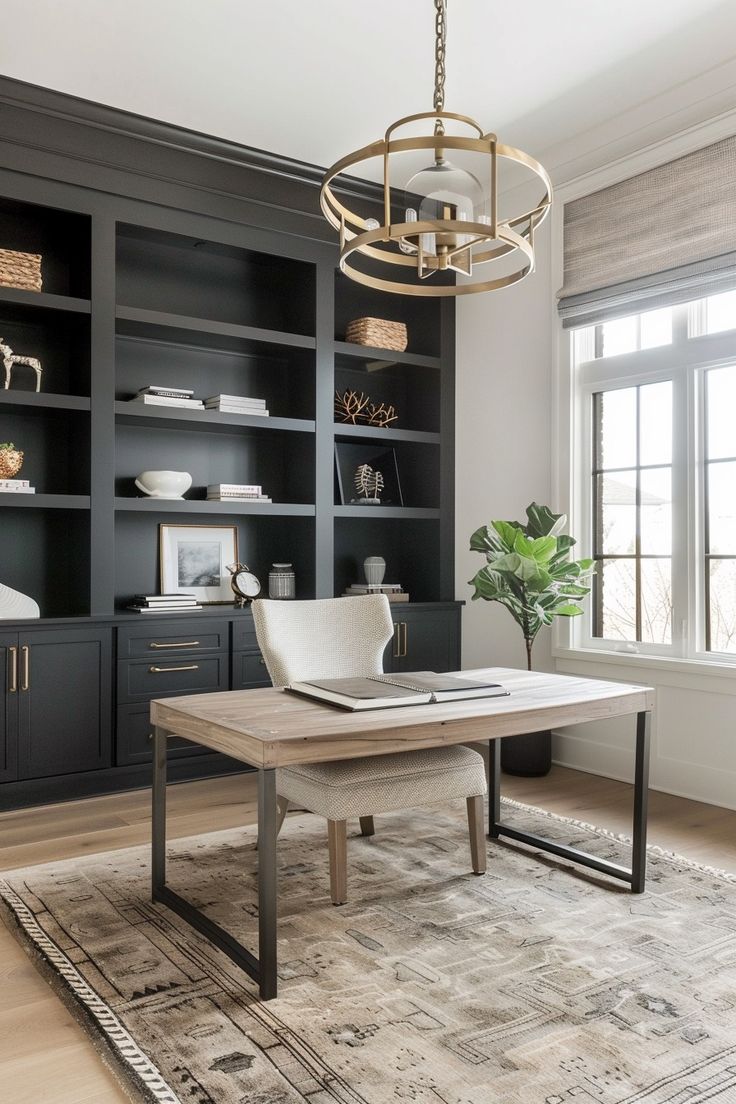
194	559
367	475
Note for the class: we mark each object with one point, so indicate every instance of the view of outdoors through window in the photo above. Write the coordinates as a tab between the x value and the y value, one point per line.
632	466
632	496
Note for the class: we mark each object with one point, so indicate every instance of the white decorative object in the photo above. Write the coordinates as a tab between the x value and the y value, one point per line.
164	484
10	359
375	569
15	606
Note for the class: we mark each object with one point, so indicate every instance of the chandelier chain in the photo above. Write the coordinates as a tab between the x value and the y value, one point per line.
439	60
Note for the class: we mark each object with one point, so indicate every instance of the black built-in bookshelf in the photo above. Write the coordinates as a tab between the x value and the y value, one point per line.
220	295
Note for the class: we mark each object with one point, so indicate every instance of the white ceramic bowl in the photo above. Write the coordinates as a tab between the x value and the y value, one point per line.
164	484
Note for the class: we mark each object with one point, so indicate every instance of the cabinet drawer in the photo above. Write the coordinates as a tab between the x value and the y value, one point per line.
166	639
244	635
157	676
134	741
249	670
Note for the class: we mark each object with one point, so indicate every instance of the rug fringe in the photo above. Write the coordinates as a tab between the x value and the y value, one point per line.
133	1070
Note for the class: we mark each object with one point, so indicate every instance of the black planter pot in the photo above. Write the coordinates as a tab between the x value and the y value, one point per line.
529	755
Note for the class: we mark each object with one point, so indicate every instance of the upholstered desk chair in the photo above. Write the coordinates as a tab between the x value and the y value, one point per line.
344	638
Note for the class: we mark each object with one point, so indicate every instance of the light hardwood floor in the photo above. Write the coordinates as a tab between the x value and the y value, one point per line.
45	1056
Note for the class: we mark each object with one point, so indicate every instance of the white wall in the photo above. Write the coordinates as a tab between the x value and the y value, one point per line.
506	357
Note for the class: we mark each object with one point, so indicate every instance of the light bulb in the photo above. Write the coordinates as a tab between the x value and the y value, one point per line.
372	224
446	193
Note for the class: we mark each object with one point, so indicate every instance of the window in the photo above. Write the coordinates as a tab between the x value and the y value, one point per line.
632	512
656	437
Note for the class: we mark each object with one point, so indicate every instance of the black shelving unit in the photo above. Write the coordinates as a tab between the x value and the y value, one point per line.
146	282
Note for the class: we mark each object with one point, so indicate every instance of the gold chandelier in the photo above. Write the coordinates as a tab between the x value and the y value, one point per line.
449	220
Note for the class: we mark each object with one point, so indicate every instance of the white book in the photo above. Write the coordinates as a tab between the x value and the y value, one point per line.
238	498
245	488
17	490
236	400
162	400
239	410
164	609
154	388
11	484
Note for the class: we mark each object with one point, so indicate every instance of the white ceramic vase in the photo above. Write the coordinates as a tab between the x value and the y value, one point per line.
164	484
375	569
15	606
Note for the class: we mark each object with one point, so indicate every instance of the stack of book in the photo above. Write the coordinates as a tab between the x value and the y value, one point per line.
164	603
236	492
236	404
153	395
16	486
393	591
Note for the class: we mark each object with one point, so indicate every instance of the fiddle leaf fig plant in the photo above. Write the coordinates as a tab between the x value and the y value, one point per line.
529	571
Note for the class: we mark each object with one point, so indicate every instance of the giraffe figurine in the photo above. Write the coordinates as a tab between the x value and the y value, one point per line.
10	359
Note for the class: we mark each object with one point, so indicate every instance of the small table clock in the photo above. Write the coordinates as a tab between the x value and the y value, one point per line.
245	585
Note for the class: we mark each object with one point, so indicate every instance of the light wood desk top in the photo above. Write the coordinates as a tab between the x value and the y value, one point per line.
269	728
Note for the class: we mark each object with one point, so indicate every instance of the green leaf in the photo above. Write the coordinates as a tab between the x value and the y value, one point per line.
507	531
541	522
483	540
567	611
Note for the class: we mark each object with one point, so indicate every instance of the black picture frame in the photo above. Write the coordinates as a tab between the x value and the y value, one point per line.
349	457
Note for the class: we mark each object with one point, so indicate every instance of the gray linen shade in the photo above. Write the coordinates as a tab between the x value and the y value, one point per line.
665	236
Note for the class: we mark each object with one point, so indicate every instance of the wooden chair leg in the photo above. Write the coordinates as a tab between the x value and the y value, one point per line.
477	834
337	839
367	827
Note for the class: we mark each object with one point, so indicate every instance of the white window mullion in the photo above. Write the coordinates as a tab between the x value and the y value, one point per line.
683	615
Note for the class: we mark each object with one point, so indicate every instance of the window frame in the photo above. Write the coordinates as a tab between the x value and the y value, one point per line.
685	362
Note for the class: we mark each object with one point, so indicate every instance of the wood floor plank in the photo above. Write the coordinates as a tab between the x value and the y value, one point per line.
57	1063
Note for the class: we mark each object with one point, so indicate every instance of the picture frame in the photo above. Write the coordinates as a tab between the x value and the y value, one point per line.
349	457
193	561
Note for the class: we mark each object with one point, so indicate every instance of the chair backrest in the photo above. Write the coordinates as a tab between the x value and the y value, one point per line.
327	638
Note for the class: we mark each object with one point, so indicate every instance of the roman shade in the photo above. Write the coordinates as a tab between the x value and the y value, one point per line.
665	236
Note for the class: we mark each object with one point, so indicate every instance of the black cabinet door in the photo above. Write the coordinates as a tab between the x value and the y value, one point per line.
249	671
65	708
8	706
424	640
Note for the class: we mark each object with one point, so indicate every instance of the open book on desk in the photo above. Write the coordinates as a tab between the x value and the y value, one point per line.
390	691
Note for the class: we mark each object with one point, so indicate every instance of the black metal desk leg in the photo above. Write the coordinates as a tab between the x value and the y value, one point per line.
641	794
494	787
267	882
158	817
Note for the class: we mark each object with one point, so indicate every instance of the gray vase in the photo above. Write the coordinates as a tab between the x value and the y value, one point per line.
375	569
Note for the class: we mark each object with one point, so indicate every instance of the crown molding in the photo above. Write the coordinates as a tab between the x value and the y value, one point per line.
59	125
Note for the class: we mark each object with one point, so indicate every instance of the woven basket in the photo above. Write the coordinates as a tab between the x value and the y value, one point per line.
377	332
20	270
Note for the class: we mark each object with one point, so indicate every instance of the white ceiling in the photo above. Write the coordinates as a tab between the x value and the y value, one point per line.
314	80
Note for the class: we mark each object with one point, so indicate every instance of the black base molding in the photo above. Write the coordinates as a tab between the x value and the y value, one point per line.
70	787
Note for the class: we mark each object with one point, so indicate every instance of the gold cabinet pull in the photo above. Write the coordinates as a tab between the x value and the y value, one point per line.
13	669
403	651
178	644
396	651
26	675
162	670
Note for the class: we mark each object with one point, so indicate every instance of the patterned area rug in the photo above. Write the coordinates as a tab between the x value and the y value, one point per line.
532	985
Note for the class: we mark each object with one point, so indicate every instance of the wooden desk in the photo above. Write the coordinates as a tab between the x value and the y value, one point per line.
269	729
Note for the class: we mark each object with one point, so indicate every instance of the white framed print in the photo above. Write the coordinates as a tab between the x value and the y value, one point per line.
194	559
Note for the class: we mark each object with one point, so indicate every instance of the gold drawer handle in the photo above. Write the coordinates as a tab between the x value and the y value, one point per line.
13	664
181	644
162	670
26	676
